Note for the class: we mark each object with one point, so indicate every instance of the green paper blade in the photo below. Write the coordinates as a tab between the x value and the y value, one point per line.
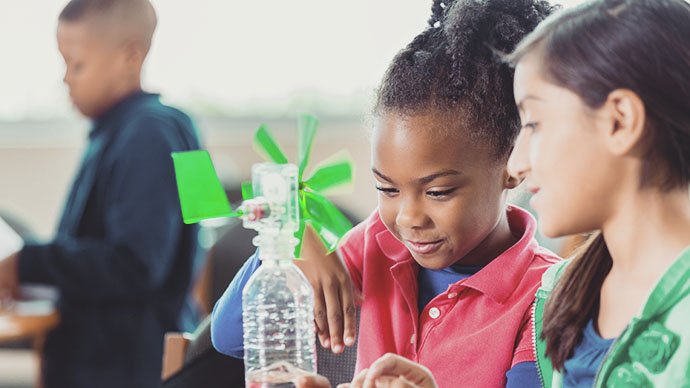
247	190
306	127
303	217
333	172
298	235
329	239
201	193
266	144
328	221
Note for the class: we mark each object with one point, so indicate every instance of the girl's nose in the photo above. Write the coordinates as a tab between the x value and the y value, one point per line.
518	163
410	214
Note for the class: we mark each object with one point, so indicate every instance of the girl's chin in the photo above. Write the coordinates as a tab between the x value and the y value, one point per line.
435	262
552	229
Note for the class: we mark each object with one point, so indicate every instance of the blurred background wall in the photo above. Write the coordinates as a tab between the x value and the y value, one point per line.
231	64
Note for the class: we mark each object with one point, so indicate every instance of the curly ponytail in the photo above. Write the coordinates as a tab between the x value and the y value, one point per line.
452	68
438	11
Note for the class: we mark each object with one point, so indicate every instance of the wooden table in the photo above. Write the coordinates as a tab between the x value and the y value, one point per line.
16	326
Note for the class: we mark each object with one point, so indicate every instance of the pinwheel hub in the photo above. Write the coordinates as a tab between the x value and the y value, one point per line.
255	210
275	206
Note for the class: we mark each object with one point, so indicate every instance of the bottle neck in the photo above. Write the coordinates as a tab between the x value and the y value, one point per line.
275	247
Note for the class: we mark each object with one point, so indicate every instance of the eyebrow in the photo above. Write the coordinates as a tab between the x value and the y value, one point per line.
527	97
422	180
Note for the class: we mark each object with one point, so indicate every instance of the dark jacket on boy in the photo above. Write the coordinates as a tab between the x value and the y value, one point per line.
122	257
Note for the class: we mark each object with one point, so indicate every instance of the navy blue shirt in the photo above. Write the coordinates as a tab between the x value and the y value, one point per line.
434	282
122	257
581	368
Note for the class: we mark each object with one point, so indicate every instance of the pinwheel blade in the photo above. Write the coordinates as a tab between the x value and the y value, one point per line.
201	193
306	127
299	235
328	221
247	190
333	172
266	145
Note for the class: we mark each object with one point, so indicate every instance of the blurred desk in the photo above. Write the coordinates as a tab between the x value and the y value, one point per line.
19	326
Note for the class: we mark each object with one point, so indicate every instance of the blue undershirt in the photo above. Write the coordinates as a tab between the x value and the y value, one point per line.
432	282
581	368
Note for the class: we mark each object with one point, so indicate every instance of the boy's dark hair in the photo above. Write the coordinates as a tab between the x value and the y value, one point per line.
592	50
77	10
452	67
135	18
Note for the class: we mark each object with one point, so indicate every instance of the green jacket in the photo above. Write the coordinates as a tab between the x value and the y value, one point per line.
652	352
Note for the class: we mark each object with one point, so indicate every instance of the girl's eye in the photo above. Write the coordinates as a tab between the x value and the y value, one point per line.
440	194
387	190
532	126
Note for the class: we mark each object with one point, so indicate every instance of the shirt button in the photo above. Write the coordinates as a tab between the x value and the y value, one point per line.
452	295
434	312
412	339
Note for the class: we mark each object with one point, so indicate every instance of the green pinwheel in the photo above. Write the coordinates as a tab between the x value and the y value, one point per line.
202	195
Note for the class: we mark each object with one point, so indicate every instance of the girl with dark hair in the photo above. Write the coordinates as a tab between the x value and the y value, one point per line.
447	269
603	92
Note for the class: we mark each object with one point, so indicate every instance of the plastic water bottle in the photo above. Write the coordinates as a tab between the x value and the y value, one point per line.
278	308
278	301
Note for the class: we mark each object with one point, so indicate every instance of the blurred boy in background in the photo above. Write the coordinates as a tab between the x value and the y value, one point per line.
122	257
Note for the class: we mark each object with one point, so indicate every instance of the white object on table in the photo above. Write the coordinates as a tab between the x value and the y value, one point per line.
10	241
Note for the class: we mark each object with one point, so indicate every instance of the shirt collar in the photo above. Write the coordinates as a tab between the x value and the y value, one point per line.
118	110
501	276
673	286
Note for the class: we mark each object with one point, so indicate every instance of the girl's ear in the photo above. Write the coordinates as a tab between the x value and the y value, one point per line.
625	122
511	182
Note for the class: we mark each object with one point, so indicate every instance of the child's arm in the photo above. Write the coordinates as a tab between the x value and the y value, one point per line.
523	375
130	236
320	269
523	372
335	297
226	322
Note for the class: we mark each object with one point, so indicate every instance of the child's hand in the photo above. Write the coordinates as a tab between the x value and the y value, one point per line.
314	381
393	371
335	312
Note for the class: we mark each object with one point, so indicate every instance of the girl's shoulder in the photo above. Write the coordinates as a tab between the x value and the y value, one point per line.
654	350
551	276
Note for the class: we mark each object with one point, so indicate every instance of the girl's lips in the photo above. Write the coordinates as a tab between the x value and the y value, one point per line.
533	200
423	247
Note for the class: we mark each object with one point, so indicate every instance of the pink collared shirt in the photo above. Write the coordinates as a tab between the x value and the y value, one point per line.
470	335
